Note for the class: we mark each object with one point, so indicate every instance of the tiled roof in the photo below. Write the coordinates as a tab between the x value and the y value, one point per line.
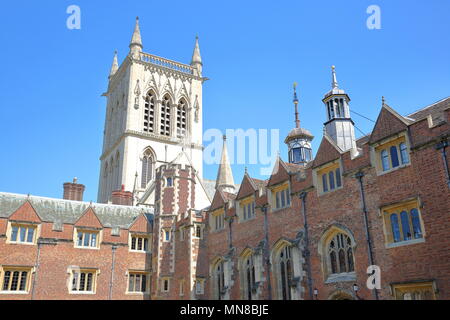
433	109
67	211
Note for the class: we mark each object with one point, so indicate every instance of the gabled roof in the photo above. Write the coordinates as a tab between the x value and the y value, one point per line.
25	212
89	219
388	123
67	211
220	198
249	186
328	151
280	173
141	224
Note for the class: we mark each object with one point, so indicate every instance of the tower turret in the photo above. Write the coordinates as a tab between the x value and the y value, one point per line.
299	139
339	125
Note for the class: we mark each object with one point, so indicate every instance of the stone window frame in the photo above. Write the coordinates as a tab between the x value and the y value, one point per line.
397	208
219	293
165	280
71	270
281	188
398	290
200	281
139	235
150	106
257	269
215	216
99	237
22	224
324	241
325	170
297	268
242	206
7	268
196	226
141	273
393	141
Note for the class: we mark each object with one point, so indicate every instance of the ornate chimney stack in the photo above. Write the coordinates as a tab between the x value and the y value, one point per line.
122	197
73	190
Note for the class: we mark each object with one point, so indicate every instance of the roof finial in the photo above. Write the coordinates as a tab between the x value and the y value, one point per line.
297	121
246	171
334	83
383	101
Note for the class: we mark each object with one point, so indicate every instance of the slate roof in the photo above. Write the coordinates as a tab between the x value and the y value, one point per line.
67	211
432	109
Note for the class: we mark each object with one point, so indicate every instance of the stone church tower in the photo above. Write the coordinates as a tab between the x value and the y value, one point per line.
153	117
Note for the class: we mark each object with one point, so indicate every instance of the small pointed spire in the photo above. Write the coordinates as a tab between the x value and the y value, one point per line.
136	41
196	57
334	83
297	121
225	180
115	65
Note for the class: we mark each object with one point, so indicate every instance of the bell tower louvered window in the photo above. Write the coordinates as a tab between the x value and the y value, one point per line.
149	113
181	119
165	116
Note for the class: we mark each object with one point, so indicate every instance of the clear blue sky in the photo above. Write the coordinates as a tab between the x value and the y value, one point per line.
52	78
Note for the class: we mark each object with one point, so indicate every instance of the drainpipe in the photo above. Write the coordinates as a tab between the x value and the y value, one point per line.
113	264
266	252
442	146
307	252
36	269
359	176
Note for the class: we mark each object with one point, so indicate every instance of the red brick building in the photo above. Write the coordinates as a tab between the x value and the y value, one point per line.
310	231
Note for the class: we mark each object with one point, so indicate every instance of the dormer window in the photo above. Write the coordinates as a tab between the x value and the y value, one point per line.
392	155
86	239
281	196
247	208
22	233
217	220
329	178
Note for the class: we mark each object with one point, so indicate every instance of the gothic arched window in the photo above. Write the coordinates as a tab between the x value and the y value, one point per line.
340	254
181	118
285	272
149	113
248	279
219	279
165	116
147	168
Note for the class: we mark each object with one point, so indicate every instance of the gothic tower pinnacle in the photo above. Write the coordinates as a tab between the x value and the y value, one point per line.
225	181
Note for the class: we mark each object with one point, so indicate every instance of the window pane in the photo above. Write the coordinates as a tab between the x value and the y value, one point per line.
338	177
385	160
277	195
282	199
86	239
145	244
82	281
395	228
93	240
139	247
288	197
131	283
89	282
15	280
14	232
405	225
144	283
23	281
342	265
324	183
80	239
416	223
350	260
6	279
404	153
331	178
30	235
394	156
133	243
75	281
23	232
